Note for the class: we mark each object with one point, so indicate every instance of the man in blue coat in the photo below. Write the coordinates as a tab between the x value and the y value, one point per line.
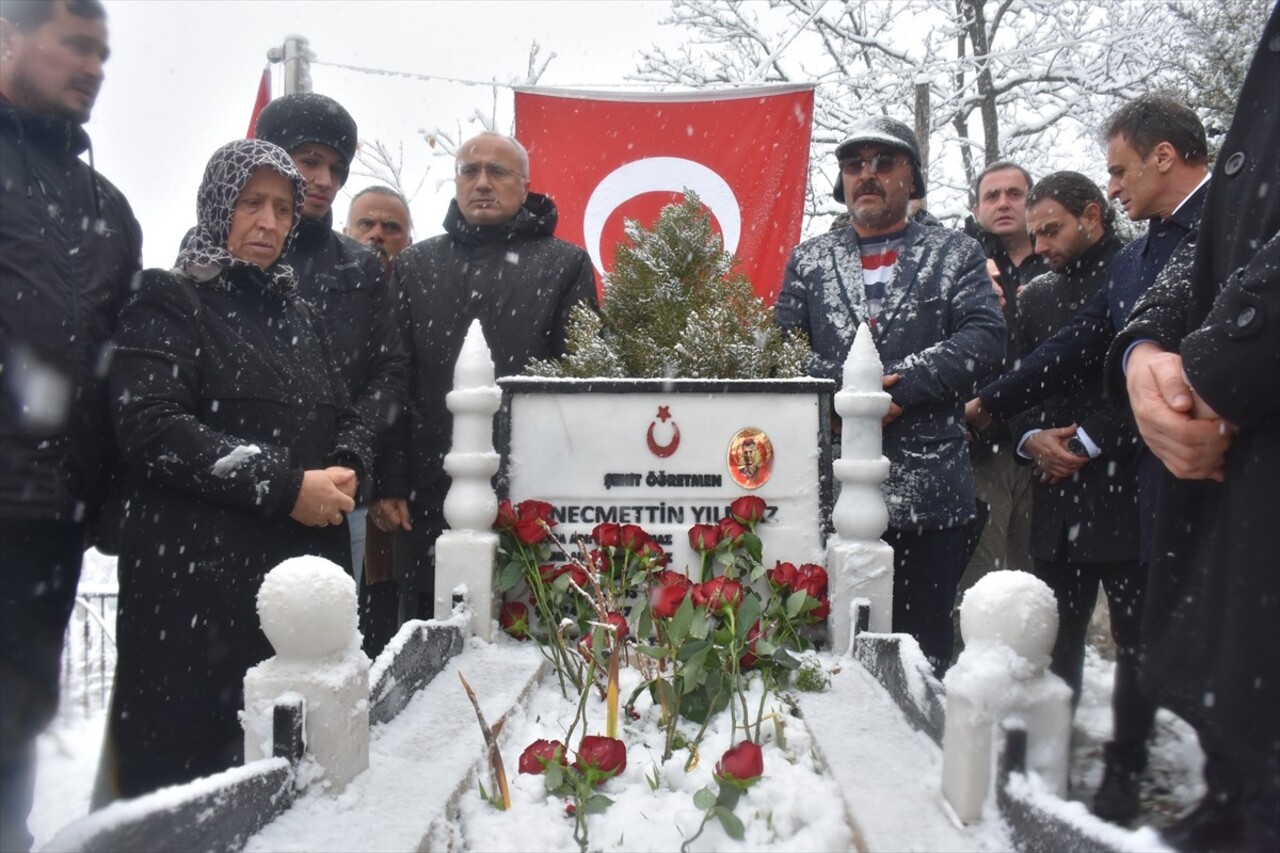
935	320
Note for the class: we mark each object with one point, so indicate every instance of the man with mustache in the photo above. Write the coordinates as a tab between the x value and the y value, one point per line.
927	297
71	247
338	275
379	218
500	263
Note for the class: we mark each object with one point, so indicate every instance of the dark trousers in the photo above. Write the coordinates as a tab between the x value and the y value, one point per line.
39	571
1075	585
926	571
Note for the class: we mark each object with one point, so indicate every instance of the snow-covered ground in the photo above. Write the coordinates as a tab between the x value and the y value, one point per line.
784	811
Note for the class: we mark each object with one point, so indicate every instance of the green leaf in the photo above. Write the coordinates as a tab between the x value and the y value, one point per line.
795	602
699	626
705	799
597	803
726	558
754	548
732	826
510	576
691	648
748	615
656	652
679	628
729	796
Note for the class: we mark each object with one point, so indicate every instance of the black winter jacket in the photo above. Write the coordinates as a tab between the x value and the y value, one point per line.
1091	517
223	393
519	281
344	281
69	247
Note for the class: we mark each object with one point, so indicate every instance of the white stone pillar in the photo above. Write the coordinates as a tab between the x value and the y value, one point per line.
467	552
859	563
1009	621
308	610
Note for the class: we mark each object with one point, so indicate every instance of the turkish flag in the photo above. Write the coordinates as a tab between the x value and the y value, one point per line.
264	98
605	157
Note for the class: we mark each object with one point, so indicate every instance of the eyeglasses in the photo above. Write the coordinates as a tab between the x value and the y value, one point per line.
496	171
881	164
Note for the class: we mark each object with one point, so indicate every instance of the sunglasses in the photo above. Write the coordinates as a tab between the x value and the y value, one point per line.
881	164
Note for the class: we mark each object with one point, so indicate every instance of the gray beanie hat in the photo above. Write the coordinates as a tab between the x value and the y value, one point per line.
303	117
881	130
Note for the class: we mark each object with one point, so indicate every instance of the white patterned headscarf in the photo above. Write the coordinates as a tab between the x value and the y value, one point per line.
230	168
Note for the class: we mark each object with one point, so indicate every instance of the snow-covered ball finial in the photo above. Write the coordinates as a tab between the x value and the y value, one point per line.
1014	609
308	609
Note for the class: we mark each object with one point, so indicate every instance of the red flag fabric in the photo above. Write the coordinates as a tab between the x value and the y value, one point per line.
264	98
605	157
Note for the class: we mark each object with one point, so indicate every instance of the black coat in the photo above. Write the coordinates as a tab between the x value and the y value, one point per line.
223	392
69	246
1091	517
521	283
1212	622
344	281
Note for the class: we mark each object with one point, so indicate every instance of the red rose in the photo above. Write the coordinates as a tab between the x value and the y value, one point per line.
741	765
514	619
731	530
607	535
652	553
531	531
717	594
578	575
782	576
536	509
585	645
619	622
601	757
748	509
506	516
812	579
549	572
704	537
668	594
539	755
820	612
632	537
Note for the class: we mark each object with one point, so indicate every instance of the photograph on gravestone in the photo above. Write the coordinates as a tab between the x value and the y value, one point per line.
668	454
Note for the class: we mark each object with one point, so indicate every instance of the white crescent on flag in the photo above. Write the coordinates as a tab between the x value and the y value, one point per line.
660	174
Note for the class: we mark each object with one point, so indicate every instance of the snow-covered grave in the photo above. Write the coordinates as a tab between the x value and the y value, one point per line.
348	756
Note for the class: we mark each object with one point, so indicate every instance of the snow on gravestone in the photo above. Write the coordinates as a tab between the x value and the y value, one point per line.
1009	621
308	610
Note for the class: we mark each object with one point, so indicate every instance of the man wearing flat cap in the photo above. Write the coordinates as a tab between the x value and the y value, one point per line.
926	295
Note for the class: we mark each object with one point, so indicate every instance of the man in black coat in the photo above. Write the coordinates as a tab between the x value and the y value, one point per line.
338	275
1203	354
1084	520
1157	157
70	248
498	263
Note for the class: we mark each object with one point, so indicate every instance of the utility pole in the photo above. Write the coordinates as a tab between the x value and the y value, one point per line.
296	56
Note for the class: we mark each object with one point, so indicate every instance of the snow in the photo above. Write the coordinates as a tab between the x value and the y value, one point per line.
849	738
227	465
308	609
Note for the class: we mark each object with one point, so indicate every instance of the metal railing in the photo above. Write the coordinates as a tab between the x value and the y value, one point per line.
89	653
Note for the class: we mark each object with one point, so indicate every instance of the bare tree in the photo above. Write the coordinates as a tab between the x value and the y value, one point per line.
1028	80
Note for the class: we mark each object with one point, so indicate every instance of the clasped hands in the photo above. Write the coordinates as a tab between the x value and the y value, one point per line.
1179	427
326	496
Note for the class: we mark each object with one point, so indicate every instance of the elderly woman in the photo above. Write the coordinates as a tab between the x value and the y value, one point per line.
242	452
